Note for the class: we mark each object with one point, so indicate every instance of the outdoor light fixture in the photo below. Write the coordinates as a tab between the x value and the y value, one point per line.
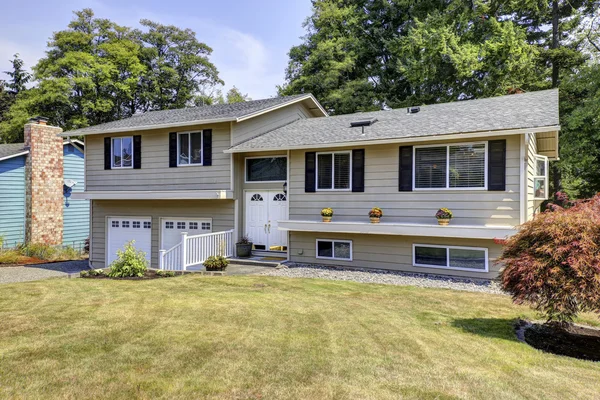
285	187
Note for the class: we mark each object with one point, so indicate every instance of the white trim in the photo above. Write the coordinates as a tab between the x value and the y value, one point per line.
448	248
333	153
178	219
112	152
405	229
14	155
288	191
332	241
198	121
412	139
448	145
523	172
189	133
275	156
154	195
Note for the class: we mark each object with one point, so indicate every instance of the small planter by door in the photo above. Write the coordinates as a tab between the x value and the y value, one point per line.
443	221
326	219
243	250
374	220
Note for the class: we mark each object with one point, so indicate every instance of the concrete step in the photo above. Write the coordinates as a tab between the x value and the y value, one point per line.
258	261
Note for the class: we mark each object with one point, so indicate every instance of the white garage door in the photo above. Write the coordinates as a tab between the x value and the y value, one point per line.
171	229
123	230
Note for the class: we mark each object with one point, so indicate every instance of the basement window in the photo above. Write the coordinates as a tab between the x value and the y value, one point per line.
451	257
334	249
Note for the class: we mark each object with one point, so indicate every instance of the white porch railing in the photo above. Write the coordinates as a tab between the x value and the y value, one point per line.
194	250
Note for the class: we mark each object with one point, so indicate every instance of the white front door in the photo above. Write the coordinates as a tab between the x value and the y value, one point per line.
263	210
122	230
171	229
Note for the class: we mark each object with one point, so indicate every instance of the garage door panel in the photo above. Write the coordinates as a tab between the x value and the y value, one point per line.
171	229
123	230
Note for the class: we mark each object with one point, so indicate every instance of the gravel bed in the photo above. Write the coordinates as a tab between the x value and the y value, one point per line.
36	272
295	270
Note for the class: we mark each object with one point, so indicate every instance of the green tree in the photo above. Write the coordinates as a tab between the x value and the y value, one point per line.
19	77
235	96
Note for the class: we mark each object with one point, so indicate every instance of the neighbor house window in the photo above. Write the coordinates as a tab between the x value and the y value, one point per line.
459	166
334	249
266	169
189	148
122	152
451	257
540	178
333	171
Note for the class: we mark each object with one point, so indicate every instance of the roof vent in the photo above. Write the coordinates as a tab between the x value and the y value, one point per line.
363	122
413	110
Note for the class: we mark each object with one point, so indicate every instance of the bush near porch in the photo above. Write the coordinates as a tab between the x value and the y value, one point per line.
272	338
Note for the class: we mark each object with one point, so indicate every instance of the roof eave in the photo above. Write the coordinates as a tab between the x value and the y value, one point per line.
450	136
14	155
287	103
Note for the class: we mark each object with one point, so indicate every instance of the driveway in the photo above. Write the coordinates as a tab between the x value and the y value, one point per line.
36	272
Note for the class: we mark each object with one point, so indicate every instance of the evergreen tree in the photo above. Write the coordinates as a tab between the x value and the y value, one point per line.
19	77
235	96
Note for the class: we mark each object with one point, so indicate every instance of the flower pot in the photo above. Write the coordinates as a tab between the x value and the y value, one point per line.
326	219
374	220
243	250
443	221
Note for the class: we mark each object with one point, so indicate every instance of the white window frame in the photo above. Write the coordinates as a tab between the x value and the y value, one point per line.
333	153
333	241
112	152
485	173
484	249
539	157
254	158
189	133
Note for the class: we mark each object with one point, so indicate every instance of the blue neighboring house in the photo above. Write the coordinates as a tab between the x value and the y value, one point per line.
12	195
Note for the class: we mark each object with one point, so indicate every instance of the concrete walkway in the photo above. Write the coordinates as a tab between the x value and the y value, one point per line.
36	272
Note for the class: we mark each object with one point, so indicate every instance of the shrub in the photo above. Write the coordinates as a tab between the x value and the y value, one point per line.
38	250
164	274
130	262
9	257
553	262
67	253
216	263
327	212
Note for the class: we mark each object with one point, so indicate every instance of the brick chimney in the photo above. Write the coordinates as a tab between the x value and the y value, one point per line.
44	183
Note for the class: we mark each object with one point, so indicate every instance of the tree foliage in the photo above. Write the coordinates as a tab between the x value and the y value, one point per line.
19	77
97	71
235	96
553	262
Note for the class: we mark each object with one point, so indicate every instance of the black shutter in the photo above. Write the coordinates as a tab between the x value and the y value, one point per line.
310	173
358	170
207	147
173	149
405	173
107	156
137	151
497	165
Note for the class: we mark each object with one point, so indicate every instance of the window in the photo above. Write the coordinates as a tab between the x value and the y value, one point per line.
181	225
256	197
280	197
169	225
460	166
333	171
125	224
540	178
266	169
147	225
189	148
334	249
122	152
451	257
114	224
193	225
136	224
206	226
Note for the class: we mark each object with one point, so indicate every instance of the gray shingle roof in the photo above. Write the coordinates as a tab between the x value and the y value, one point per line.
7	150
191	115
527	110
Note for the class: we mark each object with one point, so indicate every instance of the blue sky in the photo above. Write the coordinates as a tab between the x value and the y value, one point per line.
250	38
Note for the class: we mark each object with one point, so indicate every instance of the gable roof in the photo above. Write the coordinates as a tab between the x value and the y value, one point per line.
196	115
11	150
511	112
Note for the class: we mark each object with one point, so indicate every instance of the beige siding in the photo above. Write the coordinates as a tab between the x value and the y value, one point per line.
155	173
381	190
275	119
388	252
221	212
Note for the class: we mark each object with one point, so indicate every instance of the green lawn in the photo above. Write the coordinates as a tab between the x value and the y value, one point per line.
271	338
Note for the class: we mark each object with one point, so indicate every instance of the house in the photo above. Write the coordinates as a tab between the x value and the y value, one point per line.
36	181
187	183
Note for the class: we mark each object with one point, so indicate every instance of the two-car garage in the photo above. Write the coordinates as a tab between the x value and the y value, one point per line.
122	230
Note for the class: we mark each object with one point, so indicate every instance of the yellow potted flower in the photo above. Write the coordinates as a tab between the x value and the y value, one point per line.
327	213
443	216
375	214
